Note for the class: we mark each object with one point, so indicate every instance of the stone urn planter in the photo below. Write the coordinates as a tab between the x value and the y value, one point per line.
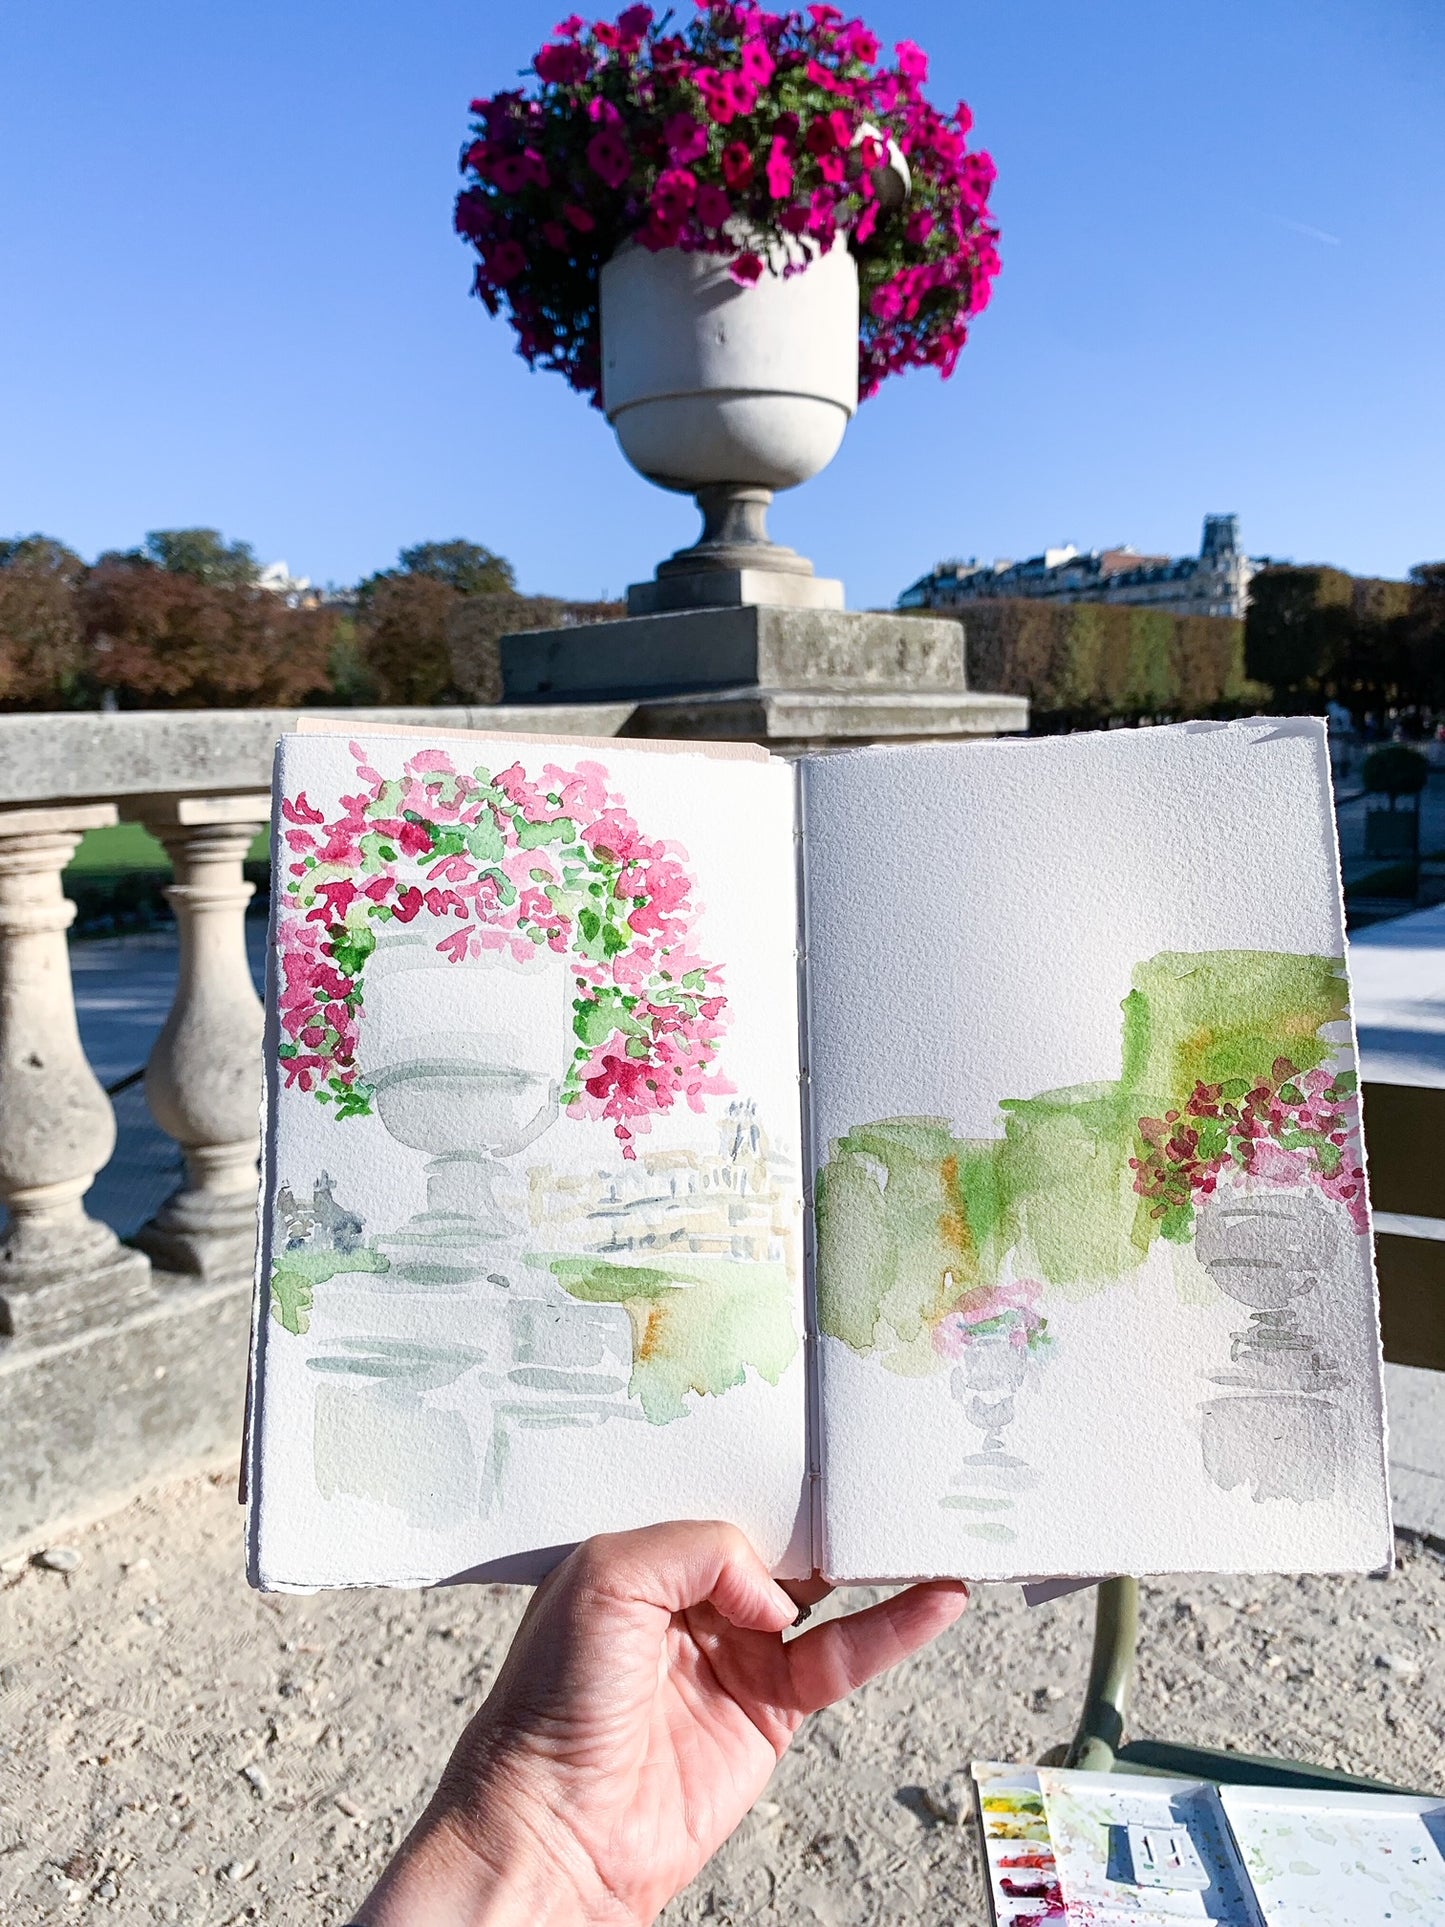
729	393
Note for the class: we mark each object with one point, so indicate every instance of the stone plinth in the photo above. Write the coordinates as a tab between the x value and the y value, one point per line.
791	678
729	648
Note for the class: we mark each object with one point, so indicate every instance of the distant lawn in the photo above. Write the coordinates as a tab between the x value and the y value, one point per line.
129	847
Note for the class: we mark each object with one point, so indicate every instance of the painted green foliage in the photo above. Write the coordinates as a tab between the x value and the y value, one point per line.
296	1274
917	1226
697	1324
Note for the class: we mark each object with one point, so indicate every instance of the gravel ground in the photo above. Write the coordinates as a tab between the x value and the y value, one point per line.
174	1747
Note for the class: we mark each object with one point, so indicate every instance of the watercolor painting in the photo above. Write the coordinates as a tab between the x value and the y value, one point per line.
1232	1135
468	959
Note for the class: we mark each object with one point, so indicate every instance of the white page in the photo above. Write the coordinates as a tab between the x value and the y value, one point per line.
488	1325
1022	1369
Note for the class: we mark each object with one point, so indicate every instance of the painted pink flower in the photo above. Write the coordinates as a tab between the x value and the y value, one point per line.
746	269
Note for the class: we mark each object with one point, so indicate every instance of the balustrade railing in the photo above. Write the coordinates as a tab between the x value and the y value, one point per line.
61	1271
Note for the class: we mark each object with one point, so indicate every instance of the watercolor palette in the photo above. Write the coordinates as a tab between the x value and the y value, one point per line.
1133	1850
1372	1859
1024	1888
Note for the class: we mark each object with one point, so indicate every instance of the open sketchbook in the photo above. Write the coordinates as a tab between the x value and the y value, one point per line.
935	1160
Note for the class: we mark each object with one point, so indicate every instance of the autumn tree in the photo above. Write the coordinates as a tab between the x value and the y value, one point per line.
42	656
172	639
402	638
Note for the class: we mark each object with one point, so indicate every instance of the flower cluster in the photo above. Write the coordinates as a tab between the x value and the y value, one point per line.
764	138
1009	1310
1290	1128
508	865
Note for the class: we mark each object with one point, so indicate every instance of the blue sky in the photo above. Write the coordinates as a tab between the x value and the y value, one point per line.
229	294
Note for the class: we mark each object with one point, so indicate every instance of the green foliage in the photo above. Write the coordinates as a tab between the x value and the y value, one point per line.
1395	770
1089	661
203	555
1318	635
464	567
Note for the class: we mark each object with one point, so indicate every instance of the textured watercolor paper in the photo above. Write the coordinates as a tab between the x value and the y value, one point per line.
531	1264
1093	1275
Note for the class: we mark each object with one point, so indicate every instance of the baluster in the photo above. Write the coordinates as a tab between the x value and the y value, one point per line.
203	1078
60	1269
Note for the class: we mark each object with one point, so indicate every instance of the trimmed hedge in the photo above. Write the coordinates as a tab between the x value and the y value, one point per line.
1082	661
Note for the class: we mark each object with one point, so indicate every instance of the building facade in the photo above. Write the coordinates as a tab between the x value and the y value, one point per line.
1213	583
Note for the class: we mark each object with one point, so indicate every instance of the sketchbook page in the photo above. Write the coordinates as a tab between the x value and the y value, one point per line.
531	1255
1093	1260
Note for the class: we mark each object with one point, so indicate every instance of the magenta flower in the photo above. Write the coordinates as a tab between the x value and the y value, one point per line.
756	63
912	62
686	138
712	206
578	217
779	170
674	194
737	165
609	158
746	269
562	64
506	261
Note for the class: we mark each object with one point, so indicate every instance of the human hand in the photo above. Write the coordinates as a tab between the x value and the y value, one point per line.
646	1699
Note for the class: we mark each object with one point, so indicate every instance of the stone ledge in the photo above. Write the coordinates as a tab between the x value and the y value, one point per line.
89	1421
75	756
801	719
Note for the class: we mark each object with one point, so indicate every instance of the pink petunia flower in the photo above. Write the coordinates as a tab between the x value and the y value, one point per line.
686	138
609	157
712	206
506	261
737	165
746	269
778	171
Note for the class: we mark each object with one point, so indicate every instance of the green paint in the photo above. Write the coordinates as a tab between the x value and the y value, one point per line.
697	1323
915	1223
296	1274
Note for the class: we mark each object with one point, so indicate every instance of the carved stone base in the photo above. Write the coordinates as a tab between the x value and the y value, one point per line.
147	1395
50	1289
199	1235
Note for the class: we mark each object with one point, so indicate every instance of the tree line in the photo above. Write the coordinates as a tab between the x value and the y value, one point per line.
1310	636
183	622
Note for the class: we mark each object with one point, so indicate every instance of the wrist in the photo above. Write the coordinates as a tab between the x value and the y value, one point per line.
452	1872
